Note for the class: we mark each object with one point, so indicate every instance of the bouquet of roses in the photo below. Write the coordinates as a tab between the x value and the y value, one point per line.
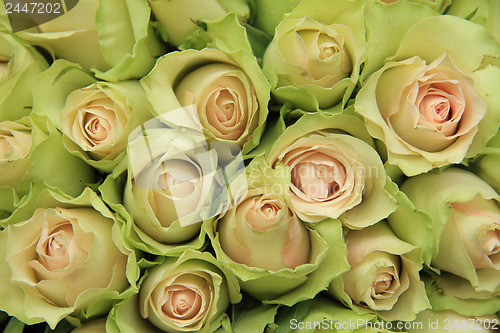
250	166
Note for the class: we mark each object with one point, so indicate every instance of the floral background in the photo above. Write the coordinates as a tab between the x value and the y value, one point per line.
251	166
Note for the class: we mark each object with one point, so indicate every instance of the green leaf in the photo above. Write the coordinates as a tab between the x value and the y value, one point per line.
14	326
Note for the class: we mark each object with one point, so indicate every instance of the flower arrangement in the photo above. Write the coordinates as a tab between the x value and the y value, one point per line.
250	166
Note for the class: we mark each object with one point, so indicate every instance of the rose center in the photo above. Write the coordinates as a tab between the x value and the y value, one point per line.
382	283
491	244
178	178
270	211
328	50
317	180
96	128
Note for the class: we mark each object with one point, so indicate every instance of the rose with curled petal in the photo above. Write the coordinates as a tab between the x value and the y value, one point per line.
262	224
226	87
321	69
426	114
465	216
95	117
62	260
172	185
333	174
185	294
384	274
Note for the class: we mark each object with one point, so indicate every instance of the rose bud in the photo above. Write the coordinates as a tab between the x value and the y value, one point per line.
432	105
333	174
20	64
185	294
115	49
59	256
464	217
384	275
323	67
227	91
95	117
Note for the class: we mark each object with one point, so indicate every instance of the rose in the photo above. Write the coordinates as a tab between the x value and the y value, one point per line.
323	68
185	294
464	217
304	260
384	275
178	19
429	107
225	86
172	188
95	117
333	174
27	154
20	64
430	121
117	49
15	145
260	225
60	257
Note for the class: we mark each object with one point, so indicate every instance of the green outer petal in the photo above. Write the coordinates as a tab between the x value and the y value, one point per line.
253	320
403	15
127	40
466	43
457	294
432	192
487	84
349	13
316	122
112	194
270	13
54	86
411	225
25	66
44	197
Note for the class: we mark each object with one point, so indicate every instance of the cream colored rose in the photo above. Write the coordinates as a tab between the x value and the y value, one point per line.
225	95
384	274
15	141
172	184
333	175
15	145
310	60
224	98
62	261
95	118
465	214
184	296
262	224
426	114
